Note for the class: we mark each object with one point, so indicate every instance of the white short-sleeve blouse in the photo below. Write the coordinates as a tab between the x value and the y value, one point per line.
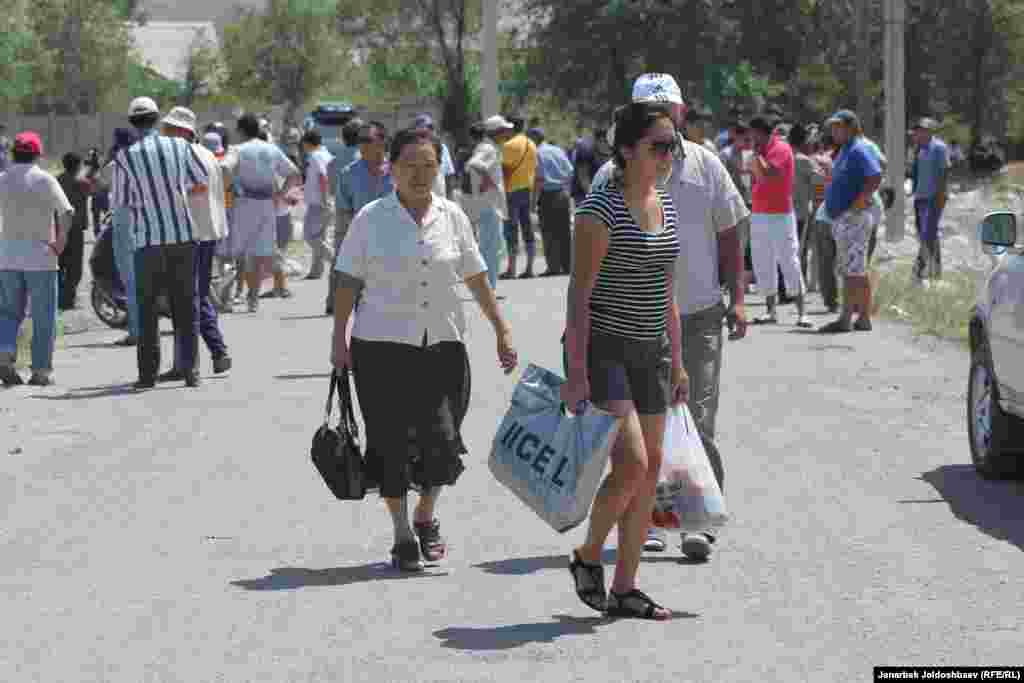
410	272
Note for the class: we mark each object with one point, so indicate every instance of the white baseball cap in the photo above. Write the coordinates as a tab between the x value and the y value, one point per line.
657	88
142	105
496	123
181	117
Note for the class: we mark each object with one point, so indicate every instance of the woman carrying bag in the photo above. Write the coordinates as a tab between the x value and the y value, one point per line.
403	258
623	340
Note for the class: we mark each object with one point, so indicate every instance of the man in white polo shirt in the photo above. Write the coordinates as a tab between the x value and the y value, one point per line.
708	208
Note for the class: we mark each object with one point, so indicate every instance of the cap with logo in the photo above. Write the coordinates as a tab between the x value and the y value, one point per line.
423	121
925	123
657	88
28	142
497	123
141	106
845	117
181	117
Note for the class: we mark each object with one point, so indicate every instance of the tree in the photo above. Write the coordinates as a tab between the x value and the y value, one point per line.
88	48
437	31
203	69
285	54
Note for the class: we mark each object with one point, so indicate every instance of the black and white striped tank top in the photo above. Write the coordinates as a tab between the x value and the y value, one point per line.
630	298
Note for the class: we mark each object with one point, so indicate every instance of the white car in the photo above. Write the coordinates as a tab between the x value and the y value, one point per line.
995	394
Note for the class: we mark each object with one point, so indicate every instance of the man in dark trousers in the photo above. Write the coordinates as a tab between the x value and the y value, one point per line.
77	186
551	187
154	177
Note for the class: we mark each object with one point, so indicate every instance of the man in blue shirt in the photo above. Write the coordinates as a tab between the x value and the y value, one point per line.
930	175
554	175
856	175
365	180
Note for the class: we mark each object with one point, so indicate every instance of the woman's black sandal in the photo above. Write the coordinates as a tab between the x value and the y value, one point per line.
633	605
589	579
432	544
405	557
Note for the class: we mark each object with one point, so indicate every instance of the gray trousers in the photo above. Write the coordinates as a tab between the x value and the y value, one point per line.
316	230
702	360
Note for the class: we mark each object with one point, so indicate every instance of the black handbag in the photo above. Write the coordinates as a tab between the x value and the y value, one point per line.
336	452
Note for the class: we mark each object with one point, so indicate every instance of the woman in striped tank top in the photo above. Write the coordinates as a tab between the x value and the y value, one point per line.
623	344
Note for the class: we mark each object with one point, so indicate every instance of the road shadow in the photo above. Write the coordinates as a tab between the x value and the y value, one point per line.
298	375
292	578
85	393
102	345
521	566
996	508
319	316
517	635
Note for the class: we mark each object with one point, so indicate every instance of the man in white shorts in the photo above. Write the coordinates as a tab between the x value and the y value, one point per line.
256	165
774	243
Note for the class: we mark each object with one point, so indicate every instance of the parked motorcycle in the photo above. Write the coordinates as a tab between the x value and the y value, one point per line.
110	299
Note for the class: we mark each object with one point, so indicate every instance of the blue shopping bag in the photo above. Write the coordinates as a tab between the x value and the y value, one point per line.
551	460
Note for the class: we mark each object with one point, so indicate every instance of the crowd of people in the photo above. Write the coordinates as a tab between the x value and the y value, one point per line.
662	228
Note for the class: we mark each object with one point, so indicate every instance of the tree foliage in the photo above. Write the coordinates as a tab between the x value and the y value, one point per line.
438	35
286	53
807	55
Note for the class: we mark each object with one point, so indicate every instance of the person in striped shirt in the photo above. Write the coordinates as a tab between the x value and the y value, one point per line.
623	341
154	178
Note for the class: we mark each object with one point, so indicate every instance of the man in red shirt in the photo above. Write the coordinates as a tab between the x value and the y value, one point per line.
774	242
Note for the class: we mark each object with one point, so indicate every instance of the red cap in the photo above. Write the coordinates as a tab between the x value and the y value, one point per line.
29	141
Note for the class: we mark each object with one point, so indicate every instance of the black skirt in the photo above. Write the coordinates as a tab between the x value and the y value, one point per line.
413	400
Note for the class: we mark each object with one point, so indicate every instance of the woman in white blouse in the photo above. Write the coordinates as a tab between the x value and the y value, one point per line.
403	258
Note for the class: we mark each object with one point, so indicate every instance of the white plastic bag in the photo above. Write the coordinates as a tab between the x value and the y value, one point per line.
688	497
551	460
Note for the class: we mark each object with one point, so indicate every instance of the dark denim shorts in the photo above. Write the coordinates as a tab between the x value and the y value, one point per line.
623	369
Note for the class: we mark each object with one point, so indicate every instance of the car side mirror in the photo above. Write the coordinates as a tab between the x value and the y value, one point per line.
999	229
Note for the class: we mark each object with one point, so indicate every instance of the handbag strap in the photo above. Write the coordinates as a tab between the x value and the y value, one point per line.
348	416
330	397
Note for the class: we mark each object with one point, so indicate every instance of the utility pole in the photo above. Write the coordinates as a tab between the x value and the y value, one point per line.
895	113
489	102
865	60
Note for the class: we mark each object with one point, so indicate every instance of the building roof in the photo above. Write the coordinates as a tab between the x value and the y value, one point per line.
165	45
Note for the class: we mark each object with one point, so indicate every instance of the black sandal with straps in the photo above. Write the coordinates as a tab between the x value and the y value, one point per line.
589	579
634	605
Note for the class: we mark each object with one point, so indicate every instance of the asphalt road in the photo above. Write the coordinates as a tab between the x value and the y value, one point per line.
183	535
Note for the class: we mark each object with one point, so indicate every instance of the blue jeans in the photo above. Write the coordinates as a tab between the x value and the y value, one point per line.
490	242
929	256
124	257
16	288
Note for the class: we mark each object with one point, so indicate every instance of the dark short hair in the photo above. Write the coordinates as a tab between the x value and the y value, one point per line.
144	121
518	123
368	129
221	130
477	132
249	125
798	135
413	136
71	162
21	157
350	131
765	123
312	137
632	121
